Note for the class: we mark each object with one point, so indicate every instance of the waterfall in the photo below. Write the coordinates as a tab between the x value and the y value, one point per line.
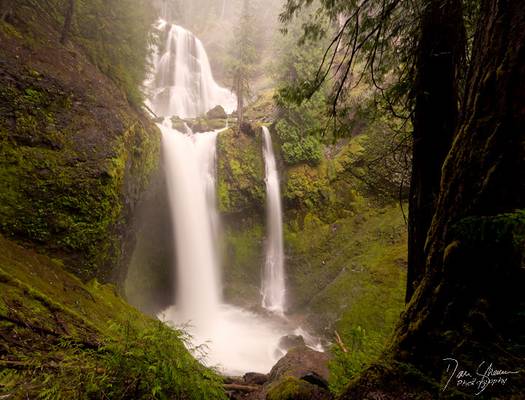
190	171
273	285
182	83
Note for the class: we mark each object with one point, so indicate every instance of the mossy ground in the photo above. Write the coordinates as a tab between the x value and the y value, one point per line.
61	338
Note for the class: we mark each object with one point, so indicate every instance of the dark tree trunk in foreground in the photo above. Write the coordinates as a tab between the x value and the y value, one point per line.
6	9
470	303
440	51
66	29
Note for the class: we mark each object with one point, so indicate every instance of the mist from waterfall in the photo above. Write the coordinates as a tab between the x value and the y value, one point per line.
273	282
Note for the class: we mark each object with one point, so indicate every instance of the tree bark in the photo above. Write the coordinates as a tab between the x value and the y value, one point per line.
240	100
469	304
66	29
6	9
440	52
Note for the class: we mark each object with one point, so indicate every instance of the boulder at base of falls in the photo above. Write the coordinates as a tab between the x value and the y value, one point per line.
301	374
217	112
255	378
288	342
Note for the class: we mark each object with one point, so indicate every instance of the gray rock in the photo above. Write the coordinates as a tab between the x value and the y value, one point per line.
217	112
290	341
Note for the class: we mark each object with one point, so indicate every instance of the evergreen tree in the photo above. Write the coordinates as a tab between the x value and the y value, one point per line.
243	57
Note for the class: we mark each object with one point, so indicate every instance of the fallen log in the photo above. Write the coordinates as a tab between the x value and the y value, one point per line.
240	388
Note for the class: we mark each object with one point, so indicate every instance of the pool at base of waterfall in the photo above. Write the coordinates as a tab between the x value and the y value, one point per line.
236	341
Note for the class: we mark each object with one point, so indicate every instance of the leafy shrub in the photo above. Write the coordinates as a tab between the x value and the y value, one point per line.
137	363
156	365
298	148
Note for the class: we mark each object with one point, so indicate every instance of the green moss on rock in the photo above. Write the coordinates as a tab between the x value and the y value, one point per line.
241	187
74	160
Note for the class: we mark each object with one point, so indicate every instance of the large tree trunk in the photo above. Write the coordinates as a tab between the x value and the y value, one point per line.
470	303
6	9
66	29
440	51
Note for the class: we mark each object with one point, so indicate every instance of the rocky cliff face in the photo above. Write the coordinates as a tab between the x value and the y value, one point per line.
74	156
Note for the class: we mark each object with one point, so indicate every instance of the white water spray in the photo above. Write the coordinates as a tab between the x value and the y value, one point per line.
273	284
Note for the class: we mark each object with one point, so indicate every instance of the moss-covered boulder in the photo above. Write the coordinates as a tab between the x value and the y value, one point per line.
217	112
302	374
74	156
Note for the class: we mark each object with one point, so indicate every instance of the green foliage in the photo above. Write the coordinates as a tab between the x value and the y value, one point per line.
154	362
243	55
114	34
300	124
360	349
298	148
372	43
329	189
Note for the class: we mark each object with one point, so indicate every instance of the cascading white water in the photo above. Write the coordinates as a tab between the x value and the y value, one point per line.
190	168
190	171
273	283
182	83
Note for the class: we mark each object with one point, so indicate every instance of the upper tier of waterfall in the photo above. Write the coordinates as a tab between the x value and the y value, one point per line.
181	83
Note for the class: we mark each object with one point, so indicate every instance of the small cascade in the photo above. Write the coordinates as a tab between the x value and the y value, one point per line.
273	282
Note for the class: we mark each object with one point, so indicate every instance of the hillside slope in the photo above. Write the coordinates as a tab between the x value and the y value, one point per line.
74	155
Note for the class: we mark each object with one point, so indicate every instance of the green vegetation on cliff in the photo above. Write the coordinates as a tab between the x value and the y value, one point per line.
240	172
74	156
